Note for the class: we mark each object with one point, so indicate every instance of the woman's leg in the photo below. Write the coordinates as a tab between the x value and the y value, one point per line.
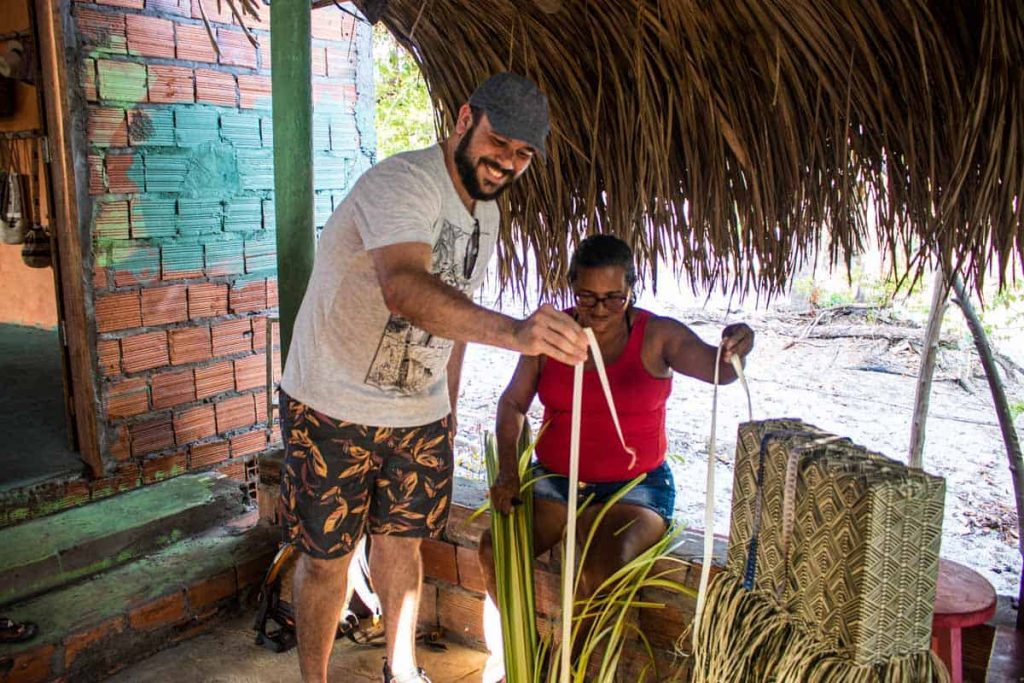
625	532
548	525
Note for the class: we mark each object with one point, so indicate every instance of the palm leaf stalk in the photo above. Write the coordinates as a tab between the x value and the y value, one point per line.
530	658
512	539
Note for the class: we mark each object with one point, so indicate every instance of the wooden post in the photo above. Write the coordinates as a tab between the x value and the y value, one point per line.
924	375
292	96
1010	438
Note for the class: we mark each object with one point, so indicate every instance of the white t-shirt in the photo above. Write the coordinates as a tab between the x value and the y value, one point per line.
350	357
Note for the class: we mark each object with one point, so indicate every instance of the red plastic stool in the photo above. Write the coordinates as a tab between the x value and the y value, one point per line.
963	598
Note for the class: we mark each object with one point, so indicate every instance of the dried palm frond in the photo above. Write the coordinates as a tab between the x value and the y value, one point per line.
734	138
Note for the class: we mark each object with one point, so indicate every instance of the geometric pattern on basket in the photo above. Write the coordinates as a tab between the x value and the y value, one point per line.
863	557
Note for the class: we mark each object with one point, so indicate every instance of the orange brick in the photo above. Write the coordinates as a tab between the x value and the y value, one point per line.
259	332
193	43
190	345
107	127
95	173
164	305
161	612
326	25
318	57
103	30
218	12
120	444
28	667
248	297
439	561
211	453
158	469
124	173
207	300
150	36
194	424
171	84
130	4
76	643
254	92
272	301
249	443
235	413
127	397
461	613
152	435
212	590
214	379
216	87
173	388
235	48
118	311
470	576
144	351
233	469
88	80
251	372
260	401
232	336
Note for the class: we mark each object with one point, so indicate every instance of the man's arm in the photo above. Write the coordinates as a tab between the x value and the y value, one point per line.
412	291
454	372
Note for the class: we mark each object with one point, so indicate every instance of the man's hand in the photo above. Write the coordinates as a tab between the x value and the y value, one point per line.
505	492
552	333
737	339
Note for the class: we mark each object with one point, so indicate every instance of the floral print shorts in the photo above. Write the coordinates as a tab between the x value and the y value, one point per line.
342	479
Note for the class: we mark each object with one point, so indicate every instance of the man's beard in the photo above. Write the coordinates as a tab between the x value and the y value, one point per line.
468	170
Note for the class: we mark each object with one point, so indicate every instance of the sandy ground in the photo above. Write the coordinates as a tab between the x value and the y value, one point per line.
846	386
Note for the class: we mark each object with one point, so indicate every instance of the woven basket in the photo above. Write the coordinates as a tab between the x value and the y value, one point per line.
862	555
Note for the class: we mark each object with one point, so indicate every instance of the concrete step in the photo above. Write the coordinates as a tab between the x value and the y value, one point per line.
94	627
44	553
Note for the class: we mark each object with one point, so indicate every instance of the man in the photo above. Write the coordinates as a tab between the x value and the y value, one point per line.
372	377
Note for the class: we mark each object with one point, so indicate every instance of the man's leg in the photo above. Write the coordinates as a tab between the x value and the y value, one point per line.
317	593
396	570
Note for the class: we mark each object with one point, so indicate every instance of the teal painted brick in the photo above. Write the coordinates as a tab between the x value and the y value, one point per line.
269	215
260	254
151	127
267	129
122	81
153	218
256	169
344	136
133	263
181	260
199	216
321	132
244	214
166	172
321	209
338	196
241	130
330	172
195	126
225	257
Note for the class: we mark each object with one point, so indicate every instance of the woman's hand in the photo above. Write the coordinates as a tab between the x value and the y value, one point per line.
738	340
505	492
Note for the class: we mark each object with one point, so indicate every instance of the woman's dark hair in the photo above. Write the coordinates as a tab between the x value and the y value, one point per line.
597	251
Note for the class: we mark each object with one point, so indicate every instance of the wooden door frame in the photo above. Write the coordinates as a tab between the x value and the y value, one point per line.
68	172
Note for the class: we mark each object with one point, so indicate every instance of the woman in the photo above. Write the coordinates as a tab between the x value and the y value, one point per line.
640	352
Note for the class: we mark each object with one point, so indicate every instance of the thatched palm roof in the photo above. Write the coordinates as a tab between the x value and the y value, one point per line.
735	136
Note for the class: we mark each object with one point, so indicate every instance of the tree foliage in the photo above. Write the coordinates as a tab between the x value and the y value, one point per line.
405	119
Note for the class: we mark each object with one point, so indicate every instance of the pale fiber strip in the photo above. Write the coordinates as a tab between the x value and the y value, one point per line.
709	503
569	562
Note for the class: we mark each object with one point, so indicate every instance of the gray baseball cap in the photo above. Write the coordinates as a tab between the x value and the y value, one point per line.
516	108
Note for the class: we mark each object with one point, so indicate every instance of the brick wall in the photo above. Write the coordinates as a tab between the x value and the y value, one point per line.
179	151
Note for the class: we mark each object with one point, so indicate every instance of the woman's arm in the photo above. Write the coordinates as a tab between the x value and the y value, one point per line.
512	407
676	347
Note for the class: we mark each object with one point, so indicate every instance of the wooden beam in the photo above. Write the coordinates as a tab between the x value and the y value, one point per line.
292	94
924	376
68	232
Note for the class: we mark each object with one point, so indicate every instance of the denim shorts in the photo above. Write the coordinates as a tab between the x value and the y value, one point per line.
656	492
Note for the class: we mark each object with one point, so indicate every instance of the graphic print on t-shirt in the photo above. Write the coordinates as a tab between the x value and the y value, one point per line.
408	360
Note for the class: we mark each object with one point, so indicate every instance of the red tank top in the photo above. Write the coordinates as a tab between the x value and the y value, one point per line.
639	398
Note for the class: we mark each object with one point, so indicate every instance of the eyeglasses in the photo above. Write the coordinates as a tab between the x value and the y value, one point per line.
613	302
472	251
